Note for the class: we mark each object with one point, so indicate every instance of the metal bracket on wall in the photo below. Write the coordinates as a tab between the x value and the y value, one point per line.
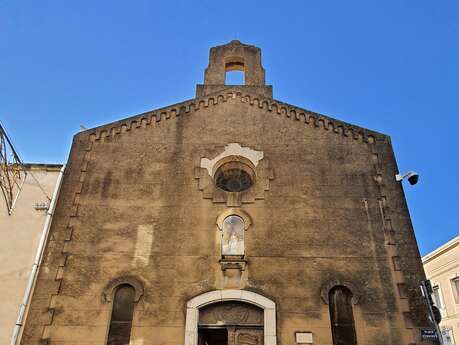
12	171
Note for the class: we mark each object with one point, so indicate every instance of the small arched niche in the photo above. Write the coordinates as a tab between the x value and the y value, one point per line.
233	243
247	220
233	223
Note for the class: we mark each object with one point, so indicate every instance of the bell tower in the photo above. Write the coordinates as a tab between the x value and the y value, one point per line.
234	56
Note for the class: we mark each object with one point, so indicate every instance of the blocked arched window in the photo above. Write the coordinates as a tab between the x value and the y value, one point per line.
342	316
121	319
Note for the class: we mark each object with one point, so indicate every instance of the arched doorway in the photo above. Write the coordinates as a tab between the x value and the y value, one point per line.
230	317
230	323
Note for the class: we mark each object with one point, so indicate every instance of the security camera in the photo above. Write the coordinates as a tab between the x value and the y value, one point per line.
412	176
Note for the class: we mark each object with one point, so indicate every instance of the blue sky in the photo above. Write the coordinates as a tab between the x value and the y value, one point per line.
391	66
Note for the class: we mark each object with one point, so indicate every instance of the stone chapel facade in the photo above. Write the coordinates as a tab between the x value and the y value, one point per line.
230	218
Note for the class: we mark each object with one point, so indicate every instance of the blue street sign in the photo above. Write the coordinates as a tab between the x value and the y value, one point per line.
428	334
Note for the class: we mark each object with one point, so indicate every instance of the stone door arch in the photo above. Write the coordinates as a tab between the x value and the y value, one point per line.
193	306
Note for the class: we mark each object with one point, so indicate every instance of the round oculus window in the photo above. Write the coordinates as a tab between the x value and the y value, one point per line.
234	177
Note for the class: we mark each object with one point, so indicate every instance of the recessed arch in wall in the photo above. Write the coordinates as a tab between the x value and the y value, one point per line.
109	290
330	284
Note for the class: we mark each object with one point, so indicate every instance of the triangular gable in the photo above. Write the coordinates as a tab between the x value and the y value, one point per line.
237	94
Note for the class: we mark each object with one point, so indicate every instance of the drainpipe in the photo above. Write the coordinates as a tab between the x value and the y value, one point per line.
37	261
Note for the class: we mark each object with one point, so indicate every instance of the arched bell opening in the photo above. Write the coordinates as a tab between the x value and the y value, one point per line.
234	70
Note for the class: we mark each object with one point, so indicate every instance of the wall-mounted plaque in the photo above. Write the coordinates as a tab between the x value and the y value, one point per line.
303	337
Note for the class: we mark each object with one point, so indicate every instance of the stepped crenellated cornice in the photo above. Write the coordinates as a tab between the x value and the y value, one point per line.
237	94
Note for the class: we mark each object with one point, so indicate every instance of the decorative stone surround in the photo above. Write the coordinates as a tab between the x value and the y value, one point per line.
232	149
205	173
193	305
235	94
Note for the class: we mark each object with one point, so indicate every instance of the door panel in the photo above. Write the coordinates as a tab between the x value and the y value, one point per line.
248	336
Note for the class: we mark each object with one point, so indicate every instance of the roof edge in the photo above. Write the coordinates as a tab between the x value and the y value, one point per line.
233	93
440	250
43	166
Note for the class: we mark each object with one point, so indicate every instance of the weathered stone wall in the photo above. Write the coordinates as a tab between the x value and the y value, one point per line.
130	206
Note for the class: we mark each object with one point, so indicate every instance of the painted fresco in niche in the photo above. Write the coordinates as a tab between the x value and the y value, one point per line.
233	236
231	313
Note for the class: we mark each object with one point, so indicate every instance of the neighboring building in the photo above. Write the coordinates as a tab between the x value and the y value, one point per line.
442	269
20	232
230	218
